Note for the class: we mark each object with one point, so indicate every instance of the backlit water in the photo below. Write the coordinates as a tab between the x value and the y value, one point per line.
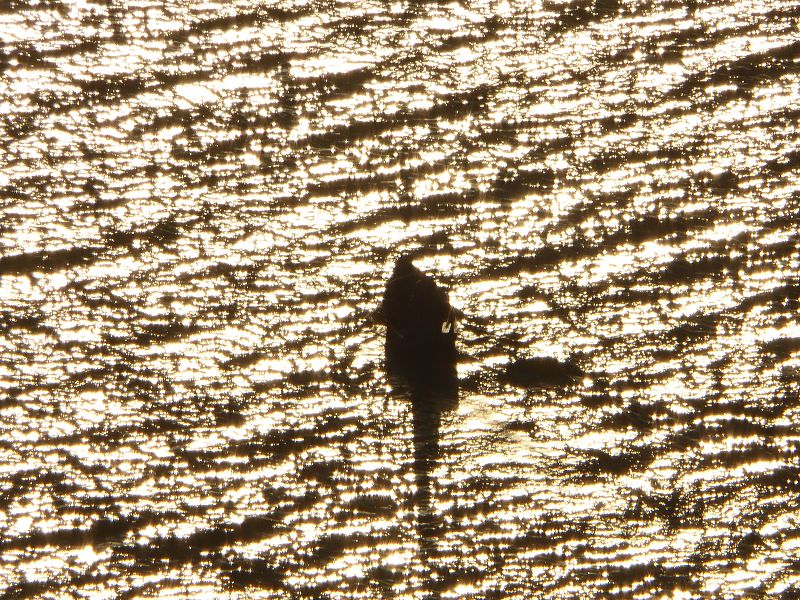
201	202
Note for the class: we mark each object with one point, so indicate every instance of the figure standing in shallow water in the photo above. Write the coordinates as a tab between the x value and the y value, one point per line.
421	364
420	322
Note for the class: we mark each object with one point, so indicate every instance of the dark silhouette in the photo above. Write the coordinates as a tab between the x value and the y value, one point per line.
543	371
432	391
421	363
420	322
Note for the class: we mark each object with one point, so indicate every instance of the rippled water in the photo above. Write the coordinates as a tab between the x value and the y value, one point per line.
201	204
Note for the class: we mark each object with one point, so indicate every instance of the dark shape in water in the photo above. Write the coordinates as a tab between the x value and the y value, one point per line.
542	371
421	364
420	323
432	389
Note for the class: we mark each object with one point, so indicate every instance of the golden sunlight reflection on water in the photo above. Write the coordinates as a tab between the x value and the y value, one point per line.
201	205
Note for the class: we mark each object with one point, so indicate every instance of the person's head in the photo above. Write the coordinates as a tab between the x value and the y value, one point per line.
405	262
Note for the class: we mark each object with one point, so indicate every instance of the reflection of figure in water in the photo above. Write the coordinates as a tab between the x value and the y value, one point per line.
427	406
421	360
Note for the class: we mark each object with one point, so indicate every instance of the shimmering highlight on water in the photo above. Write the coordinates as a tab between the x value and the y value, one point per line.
201	204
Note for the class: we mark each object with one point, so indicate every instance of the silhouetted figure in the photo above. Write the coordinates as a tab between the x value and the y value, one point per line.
421	362
420	322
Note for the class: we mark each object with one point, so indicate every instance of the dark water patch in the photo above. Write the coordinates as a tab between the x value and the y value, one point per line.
750	453
493	487
665	226
27	589
779	251
328	472
674	226
542	372
258	573
334	545
450	106
433	206
637	230
59	259
192	547
600	399
21	126
782	347
363	184
721	183
30	323
676	42
488	32
619	121
747	544
715	406
24	482
684	270
511	184
784	478
332	86
778	298
743	427
580	13
612	158
350	28
787	162
160	235
219	149
746	73
102	531
543	257
696	329
56	6
352	185
634	415
559	533
528	427
679	508
110	88
243	360
224	23
306	377
600	462
31	56
754	69
149	332
651	578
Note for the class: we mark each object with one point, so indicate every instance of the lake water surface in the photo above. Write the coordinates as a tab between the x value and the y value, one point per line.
200	205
